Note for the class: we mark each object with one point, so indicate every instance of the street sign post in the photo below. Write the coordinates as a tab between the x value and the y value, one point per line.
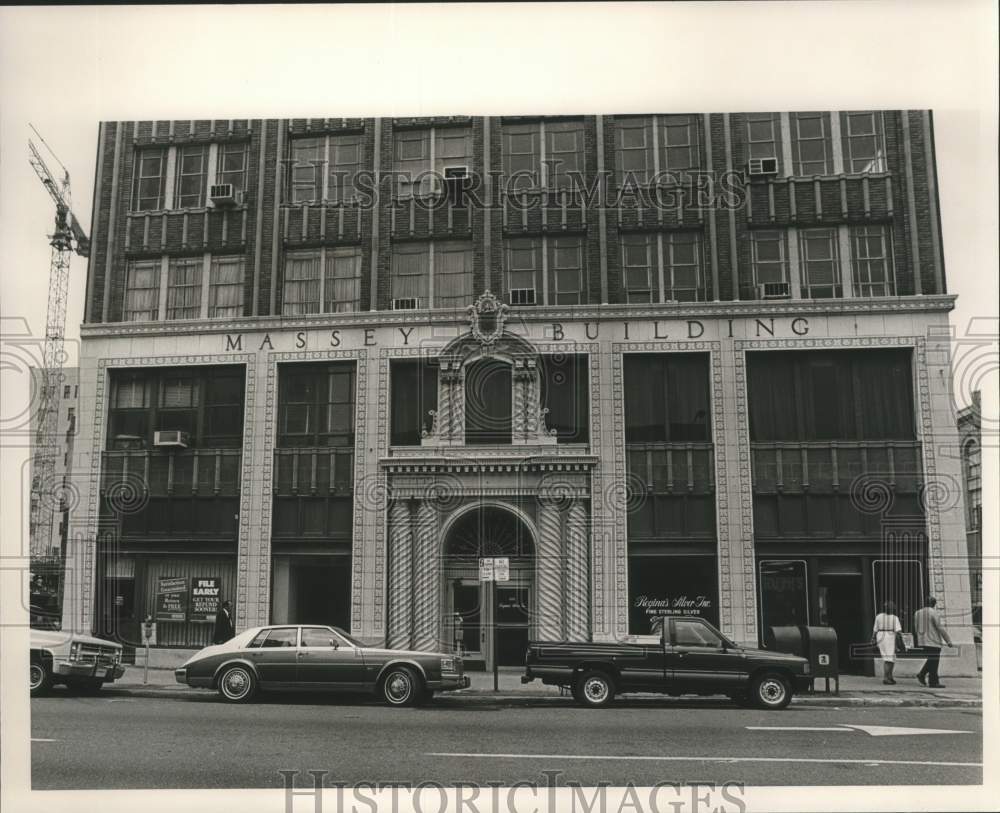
494	569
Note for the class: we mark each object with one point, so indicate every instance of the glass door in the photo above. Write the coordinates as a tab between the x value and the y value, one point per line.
465	618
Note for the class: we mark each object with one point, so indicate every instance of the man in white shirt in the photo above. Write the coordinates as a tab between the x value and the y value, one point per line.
931	636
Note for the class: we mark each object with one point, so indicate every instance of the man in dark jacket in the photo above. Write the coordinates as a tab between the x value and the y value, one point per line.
224	629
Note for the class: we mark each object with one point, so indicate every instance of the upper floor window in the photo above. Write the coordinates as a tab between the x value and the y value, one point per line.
770	265
667	398
565	393
546	154
205	402
325	167
422	158
413	386
194	287
806	395
863	135
326	280
178	177
764	136
149	187
488	396
546	271
871	261
650	145
663	267
316	404
812	152
142	291
431	274
819	261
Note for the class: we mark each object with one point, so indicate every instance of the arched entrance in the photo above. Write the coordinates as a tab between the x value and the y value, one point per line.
488	617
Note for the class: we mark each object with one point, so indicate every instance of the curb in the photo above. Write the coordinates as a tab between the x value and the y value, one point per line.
832	701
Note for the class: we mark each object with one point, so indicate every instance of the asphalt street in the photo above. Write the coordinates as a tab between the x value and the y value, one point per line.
117	741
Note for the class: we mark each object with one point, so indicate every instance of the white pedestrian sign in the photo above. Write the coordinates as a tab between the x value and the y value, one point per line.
494	569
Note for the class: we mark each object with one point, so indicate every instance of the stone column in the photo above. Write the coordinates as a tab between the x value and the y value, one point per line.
548	573
577	598
734	503
400	576
426	578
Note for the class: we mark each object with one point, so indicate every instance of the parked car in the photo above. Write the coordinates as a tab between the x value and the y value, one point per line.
319	658
690	656
81	662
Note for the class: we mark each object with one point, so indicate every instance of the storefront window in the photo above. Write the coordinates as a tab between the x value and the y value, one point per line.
676	586
784	598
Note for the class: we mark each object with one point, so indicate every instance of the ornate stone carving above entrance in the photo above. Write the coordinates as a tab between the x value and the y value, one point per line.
486	318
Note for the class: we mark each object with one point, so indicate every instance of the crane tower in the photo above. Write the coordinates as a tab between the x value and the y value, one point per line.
67	237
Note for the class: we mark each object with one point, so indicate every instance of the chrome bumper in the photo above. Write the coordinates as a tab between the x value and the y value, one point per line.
450	682
74	669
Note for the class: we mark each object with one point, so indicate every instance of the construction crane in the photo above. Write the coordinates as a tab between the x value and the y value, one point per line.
67	237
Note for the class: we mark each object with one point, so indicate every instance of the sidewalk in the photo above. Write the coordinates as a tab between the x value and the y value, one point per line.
854	690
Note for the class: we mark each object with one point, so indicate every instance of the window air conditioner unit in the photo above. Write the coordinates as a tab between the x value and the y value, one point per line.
171	438
456	172
773	290
224	194
409	303
522	296
762	166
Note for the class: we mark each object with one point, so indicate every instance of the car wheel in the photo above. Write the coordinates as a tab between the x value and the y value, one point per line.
771	691
594	689
401	687
39	678
237	684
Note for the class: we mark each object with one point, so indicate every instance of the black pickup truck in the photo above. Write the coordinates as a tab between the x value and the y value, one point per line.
689	656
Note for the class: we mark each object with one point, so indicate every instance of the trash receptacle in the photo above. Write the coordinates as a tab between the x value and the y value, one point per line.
785	639
820	644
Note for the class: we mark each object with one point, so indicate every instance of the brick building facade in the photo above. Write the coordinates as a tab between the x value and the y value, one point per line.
328	363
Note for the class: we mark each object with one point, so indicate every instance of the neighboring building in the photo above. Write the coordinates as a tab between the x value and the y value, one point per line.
302	396
57	496
971	440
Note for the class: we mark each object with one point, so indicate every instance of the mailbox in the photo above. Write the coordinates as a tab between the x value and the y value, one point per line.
822	651
785	639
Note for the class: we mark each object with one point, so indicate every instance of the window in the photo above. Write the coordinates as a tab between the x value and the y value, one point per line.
863	135
441	267
142	291
283	637
769	262
320	637
414	391
524	268
127	416
674	258
871	261
225	287
763	136
232	165
316	405
66	390
820	263
342	279
565	393
651	145
324	167
488	402
223	418
666	398
655	583
192	171
178	177
184	287
422	156
639	265
811	148
177	406
543	154
688	632
302	281
149	180
567	278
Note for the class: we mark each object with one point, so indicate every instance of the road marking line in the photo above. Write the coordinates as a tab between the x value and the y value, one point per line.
795	728
899	731
825	760
40	739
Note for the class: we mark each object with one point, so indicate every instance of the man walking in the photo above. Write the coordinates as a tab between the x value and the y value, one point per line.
224	629
931	635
